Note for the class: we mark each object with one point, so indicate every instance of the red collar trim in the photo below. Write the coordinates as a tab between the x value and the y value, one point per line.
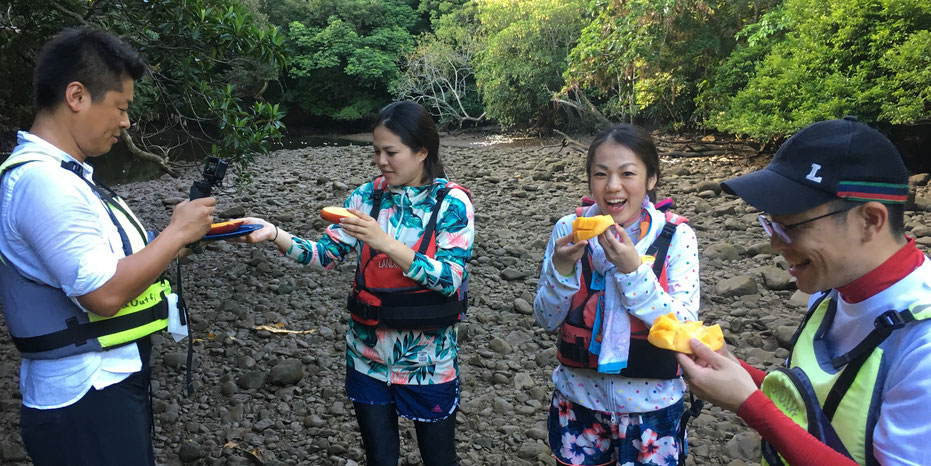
897	267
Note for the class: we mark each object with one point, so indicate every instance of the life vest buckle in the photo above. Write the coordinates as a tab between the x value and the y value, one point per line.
890	320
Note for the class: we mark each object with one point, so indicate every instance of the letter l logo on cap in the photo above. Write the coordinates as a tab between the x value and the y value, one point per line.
814	171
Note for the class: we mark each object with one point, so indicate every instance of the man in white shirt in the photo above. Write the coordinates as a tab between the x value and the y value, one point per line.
78	276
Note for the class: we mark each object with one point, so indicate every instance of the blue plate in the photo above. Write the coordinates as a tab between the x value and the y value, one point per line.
241	231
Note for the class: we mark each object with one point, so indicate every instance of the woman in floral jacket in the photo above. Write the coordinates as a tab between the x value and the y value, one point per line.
411	372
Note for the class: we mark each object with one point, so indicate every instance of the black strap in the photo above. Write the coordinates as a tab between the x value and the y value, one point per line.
376	208
884	325
431	225
695	407
573	350
112	199
660	247
185	320
79	333
587	267
377	195
441	313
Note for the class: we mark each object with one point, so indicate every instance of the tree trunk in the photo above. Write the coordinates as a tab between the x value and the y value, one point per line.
147	156
569	142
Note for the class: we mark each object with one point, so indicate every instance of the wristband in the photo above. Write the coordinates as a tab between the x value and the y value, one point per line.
276	234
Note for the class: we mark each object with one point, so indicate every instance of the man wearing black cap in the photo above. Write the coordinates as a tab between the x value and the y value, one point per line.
856	388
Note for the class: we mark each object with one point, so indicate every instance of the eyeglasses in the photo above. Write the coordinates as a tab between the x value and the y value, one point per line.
775	228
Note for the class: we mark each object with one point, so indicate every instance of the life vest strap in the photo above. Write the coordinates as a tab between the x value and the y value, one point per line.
112	199
660	247
883	325
79	333
573	351
692	412
426	237
646	361
435	315
854	359
78	170
430	229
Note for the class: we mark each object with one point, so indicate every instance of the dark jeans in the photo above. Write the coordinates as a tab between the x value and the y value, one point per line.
382	442
112	426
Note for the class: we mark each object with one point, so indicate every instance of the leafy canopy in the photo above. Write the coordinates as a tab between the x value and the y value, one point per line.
821	59
346	53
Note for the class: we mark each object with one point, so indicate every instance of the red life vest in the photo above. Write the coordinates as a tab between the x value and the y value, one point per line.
575	333
382	296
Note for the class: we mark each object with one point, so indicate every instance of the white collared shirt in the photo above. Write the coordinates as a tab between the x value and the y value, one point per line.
55	230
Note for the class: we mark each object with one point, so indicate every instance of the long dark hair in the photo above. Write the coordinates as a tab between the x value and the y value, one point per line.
414	125
638	141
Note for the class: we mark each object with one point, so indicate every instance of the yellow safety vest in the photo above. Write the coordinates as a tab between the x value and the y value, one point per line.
836	399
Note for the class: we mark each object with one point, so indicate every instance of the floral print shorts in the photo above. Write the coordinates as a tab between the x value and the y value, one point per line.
582	436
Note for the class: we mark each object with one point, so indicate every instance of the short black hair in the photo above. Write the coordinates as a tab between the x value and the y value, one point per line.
895	211
412	123
92	57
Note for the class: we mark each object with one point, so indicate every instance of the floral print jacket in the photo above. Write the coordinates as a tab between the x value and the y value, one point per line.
412	357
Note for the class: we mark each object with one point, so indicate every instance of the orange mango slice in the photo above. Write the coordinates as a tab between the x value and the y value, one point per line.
224	227
333	214
668	333
589	227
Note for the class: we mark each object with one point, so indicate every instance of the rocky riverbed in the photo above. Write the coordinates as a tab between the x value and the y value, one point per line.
264	397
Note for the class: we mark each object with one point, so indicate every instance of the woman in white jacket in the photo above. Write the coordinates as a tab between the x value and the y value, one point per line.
618	399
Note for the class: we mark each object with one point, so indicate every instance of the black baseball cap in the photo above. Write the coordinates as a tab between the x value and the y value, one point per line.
824	161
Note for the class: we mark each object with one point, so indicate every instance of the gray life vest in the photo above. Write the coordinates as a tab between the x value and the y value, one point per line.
44	323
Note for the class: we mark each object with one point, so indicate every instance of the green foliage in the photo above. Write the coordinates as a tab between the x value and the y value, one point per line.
245	132
346	53
646	58
836	57
435	10
210	61
521	63
908	87
229	59
733	74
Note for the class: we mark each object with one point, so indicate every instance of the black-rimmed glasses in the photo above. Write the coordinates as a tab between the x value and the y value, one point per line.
775	228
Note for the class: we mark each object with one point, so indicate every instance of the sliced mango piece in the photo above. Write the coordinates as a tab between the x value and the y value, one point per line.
225	227
668	333
589	227
333	214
